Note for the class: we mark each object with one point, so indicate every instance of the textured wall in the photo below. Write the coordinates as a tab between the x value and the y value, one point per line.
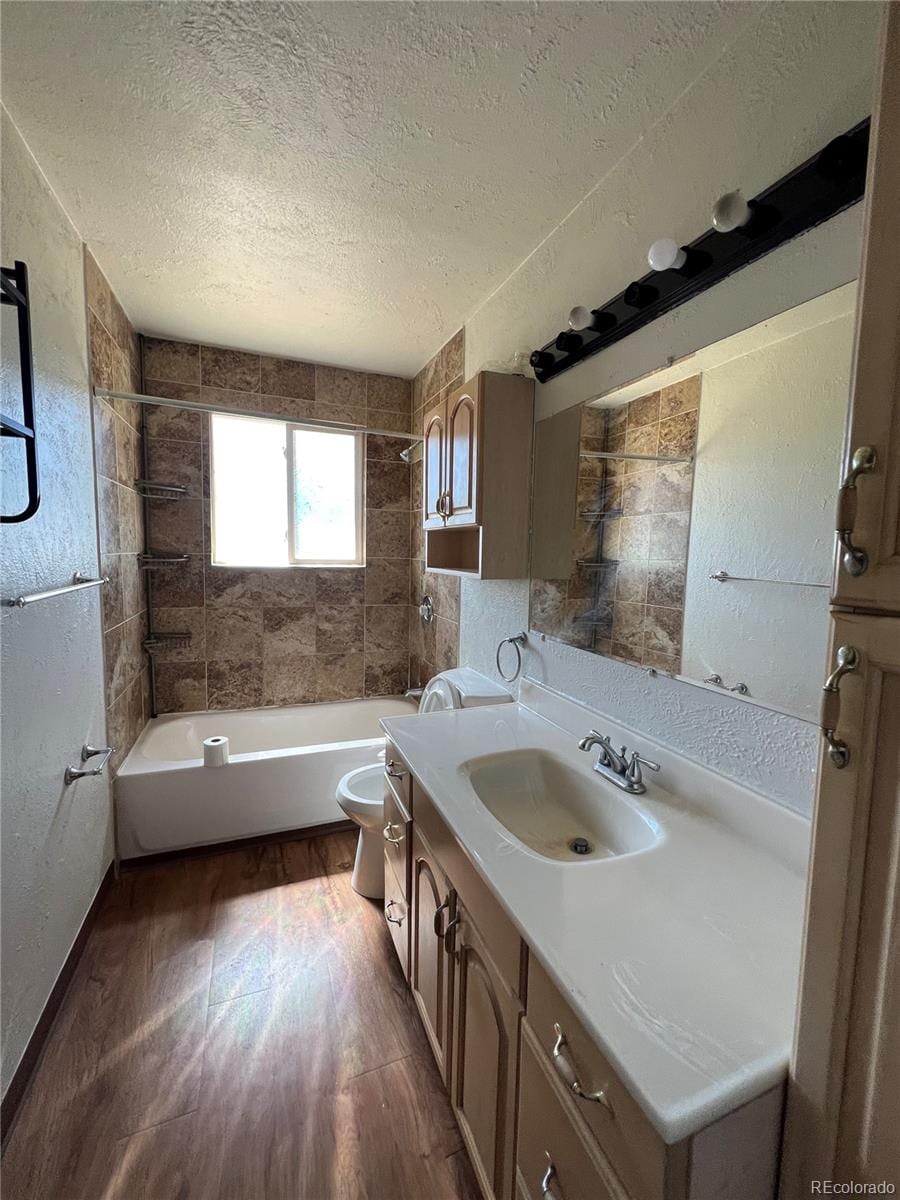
798	75
56	841
115	364
433	647
283	635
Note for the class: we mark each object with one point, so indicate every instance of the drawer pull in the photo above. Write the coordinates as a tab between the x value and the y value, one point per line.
566	1072
438	931
391	769
388	837
387	912
549	1179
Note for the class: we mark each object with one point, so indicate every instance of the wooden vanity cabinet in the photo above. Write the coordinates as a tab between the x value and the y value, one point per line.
433	914
494	1019
476	478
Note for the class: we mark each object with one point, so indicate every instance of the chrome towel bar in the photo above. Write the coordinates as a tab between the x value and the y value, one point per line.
87	753
80	581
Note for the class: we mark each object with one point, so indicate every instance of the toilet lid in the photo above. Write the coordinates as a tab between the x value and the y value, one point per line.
439	695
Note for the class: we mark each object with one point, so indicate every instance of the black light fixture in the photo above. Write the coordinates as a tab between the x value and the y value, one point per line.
742	231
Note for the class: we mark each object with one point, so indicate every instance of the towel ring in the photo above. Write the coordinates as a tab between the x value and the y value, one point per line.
517	640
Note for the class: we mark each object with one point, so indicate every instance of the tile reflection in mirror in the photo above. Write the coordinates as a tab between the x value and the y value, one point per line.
616	586
625	550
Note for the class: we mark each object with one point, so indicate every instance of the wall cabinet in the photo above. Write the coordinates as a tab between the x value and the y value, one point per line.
476	478
494	1019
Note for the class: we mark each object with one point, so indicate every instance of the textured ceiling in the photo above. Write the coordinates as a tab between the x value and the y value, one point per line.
347	181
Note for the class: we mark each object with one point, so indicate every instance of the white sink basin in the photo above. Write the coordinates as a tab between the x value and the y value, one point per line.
556	811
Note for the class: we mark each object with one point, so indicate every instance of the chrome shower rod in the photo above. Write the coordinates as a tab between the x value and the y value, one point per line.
199	406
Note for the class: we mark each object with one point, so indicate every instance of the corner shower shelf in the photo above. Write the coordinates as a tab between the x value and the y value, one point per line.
160	491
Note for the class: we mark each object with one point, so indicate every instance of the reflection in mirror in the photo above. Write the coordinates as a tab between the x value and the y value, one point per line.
685	522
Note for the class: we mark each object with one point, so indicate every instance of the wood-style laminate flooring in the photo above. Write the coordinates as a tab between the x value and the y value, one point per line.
238	1028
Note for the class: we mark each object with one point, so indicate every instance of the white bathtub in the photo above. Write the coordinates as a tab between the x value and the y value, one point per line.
285	764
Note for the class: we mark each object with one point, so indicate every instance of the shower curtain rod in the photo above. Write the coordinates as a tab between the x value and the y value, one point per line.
199	406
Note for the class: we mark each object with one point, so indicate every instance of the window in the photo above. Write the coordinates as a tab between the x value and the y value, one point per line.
285	494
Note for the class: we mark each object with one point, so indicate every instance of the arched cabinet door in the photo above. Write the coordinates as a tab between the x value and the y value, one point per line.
434	467
485	1053
433	902
462	457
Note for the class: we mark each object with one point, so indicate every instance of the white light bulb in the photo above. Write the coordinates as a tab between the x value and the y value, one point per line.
580	317
730	212
665	254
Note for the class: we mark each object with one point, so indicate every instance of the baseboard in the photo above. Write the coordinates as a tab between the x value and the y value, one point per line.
24	1072
262	839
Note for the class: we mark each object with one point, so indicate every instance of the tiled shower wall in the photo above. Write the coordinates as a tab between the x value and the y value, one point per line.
115	364
433	647
281	635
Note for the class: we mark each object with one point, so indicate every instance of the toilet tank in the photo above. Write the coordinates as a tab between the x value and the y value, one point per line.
461	687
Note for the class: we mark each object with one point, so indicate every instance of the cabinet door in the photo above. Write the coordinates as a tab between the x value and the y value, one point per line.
485	1051
434	453
870	508
843	1110
462	457
432	904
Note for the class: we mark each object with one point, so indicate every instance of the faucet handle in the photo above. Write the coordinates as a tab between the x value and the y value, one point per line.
634	772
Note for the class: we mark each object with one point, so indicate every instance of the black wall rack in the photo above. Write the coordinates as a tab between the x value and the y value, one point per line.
817	190
14	291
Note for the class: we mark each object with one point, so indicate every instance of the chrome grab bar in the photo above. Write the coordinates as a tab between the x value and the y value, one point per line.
89	752
80	581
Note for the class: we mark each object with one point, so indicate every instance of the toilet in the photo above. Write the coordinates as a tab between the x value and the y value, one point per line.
361	792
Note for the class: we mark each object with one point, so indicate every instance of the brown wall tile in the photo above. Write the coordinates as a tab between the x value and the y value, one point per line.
234	684
287	377
181	687
334	385
175	362
288	631
233	369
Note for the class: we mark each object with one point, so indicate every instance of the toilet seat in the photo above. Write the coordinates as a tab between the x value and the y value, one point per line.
360	794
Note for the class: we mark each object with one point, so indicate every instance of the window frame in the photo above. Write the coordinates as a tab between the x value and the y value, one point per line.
291	559
359	459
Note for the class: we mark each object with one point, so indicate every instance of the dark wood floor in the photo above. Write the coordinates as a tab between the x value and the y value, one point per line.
238	1029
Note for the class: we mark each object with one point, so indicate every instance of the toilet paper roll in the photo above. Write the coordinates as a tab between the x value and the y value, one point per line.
215	752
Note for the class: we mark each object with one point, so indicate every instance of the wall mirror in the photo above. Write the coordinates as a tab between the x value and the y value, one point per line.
685	522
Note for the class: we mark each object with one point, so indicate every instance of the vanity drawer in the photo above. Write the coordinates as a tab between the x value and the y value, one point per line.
649	1168
397	835
396	913
554	1159
397	777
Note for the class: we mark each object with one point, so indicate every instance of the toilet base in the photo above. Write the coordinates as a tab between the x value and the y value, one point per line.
368	869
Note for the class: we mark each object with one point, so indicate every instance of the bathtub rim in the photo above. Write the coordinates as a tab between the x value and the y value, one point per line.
131	766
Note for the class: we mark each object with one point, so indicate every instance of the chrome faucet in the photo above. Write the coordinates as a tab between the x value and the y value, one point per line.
618	768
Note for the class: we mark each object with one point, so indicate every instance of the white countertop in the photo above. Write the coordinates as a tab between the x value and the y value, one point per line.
682	959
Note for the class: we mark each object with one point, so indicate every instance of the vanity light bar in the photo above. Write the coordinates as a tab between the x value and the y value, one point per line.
200	406
820	188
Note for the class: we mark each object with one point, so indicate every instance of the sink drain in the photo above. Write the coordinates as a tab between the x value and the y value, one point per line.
580	845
